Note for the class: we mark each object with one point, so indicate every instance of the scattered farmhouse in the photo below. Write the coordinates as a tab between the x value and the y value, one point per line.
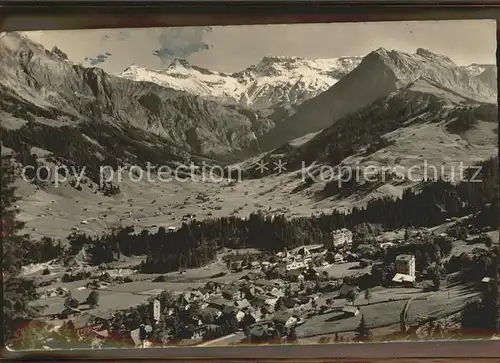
350	310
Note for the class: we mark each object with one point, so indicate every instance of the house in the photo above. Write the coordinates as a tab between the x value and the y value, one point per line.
248	319
83	324
328	286
310	275
255	264
68	312
195	332
338	258
256	314
294	265
295	275
350	310
60	291
213	286
237	265
404	279
238	313
258	303
219	302
171	311
277	292
351	257
193	319
313	250
285	319
191	296
302	300
365	262
183	299
276	272
264	283
205	293
209	315
264	300
242	304
248	291
232	293
139	335
347	289
302	252
386	245
252	276
289	303
405	265
261	329
340	237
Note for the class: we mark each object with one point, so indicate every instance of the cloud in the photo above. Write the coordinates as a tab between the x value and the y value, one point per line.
181	43
100	58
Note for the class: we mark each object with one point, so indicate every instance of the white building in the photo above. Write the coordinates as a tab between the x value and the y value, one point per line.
405	265
341	237
296	265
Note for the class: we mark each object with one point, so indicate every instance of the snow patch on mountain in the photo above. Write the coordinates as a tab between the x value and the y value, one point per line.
274	80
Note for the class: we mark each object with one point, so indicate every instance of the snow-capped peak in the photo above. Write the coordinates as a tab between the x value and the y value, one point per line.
274	80
179	63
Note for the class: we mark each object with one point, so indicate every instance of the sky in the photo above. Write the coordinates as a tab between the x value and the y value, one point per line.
233	48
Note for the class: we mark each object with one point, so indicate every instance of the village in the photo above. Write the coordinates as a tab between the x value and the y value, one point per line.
314	293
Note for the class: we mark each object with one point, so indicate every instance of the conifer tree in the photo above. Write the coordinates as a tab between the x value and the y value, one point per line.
362	331
18	293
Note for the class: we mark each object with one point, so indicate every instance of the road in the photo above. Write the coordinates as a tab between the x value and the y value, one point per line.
225	340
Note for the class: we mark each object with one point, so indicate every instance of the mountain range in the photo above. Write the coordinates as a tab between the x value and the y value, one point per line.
379	74
273	81
193	111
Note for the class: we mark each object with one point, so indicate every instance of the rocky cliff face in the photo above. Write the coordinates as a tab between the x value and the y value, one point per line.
48	80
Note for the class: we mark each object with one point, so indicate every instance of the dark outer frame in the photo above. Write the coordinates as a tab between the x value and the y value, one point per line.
23	15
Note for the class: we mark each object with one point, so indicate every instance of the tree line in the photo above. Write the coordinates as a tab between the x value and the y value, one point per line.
196	243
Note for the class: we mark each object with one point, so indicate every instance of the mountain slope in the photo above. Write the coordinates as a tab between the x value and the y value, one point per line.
420	101
380	73
420	132
363	133
273	81
67	91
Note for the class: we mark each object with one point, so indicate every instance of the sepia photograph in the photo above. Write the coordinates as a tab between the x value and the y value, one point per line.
250	185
